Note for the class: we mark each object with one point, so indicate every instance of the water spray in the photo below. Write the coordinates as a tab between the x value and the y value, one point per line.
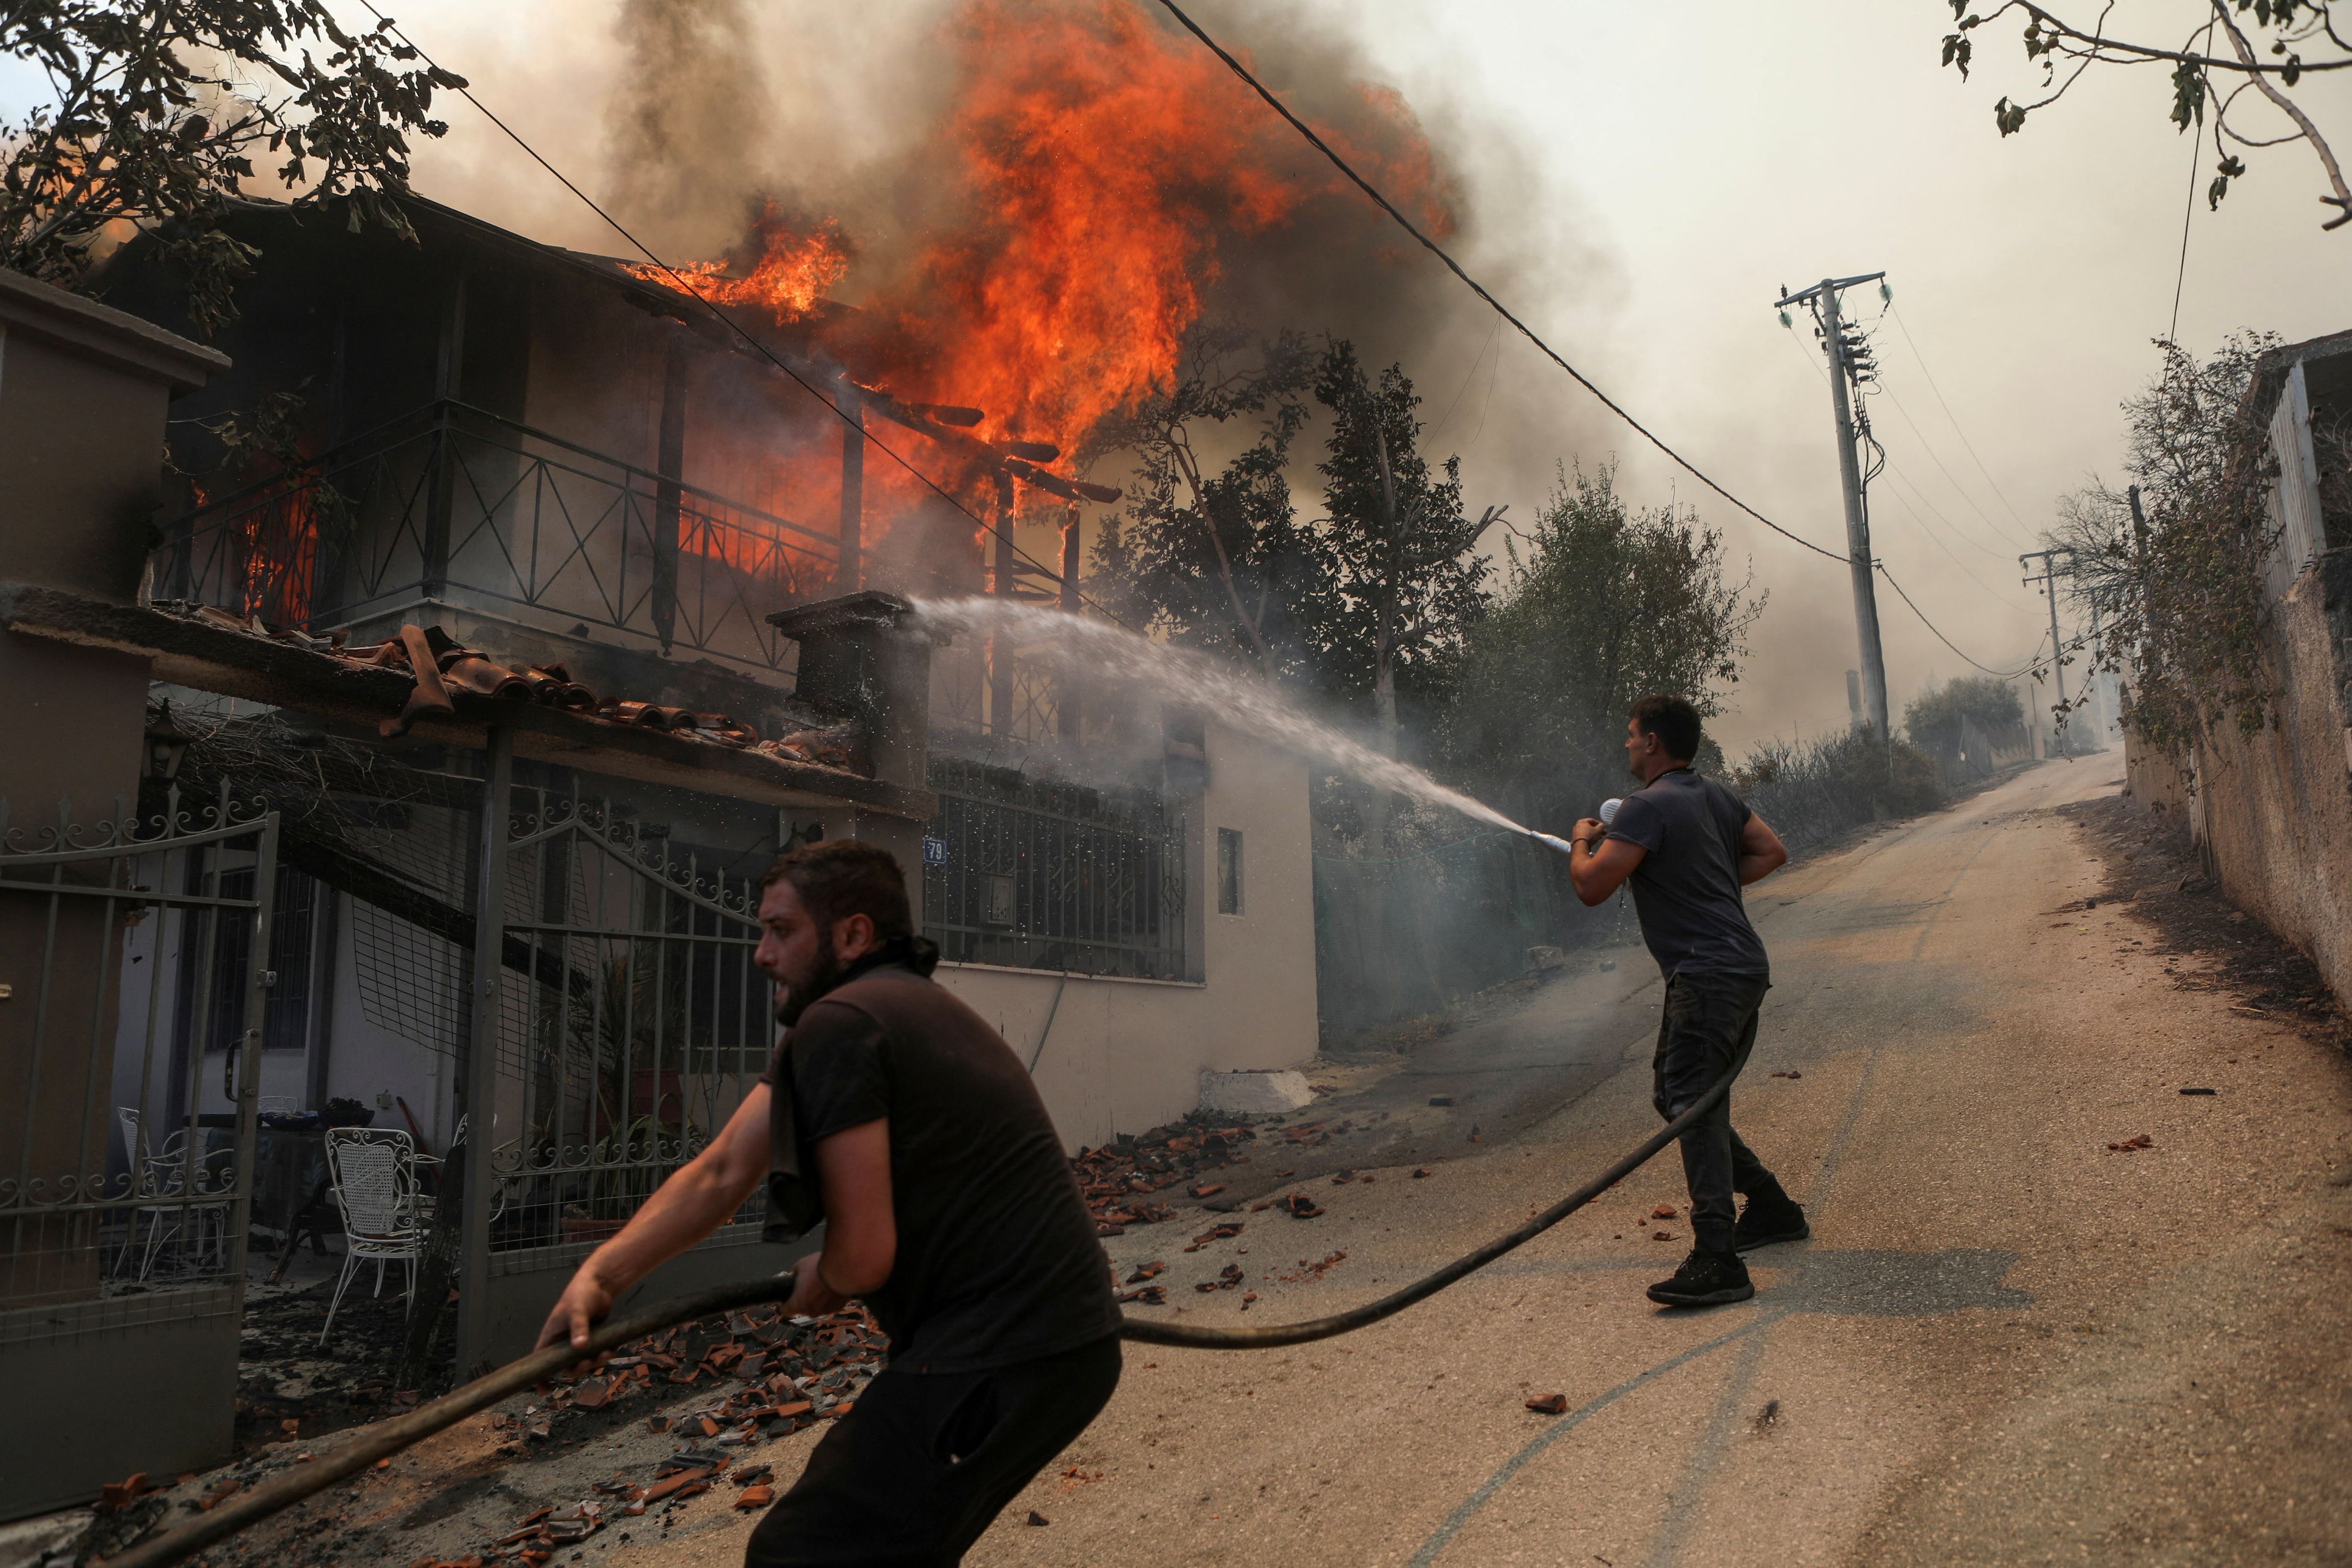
1088	648
1081	646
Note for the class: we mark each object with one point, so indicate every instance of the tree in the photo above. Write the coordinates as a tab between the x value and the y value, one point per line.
1405	587
2221	46
1608	604
156	110
1217	561
2179	589
1935	720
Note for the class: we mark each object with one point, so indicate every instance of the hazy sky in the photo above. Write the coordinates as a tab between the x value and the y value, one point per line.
1645	178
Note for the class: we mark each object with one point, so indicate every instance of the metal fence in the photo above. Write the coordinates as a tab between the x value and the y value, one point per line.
129	1046
450	499
1036	874
632	1021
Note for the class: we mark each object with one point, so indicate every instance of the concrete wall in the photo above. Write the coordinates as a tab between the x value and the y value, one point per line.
1125	1055
2273	814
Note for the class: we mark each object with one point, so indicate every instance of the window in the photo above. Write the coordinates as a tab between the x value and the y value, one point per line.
286	1010
1229	871
1037	873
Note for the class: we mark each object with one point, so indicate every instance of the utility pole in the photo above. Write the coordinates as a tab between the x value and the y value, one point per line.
1849	363
2049	579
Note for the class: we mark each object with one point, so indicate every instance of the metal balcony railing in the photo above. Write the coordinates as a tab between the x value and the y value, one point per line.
449	503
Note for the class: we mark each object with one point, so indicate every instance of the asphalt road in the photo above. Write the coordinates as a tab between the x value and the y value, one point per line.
2006	1344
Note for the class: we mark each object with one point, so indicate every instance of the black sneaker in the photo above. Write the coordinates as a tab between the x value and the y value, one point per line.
1705	1279
1764	1222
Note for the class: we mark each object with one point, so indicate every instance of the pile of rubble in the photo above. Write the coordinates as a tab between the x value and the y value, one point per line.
768	1377
441	669
1116	1177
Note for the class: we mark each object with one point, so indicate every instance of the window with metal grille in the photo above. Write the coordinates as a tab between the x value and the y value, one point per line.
1039	875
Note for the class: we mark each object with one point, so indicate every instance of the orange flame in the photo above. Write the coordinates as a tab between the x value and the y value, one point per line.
795	270
1110	172
1111	166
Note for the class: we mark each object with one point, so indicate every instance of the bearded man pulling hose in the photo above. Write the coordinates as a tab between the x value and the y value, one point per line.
1688	845
894	1113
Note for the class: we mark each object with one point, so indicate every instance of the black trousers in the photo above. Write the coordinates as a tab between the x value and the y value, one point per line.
1708	1019
912	1476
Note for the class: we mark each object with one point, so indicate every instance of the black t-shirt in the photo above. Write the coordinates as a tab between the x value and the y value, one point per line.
997	1259
1686	889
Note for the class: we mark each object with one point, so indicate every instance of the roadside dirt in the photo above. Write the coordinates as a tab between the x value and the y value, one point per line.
2152	867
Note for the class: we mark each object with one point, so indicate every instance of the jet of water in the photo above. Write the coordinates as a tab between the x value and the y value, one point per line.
1087	646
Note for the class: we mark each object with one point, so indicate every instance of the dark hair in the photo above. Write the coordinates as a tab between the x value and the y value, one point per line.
1673	720
836	878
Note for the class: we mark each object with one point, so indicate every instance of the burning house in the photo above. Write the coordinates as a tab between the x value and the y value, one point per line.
508	612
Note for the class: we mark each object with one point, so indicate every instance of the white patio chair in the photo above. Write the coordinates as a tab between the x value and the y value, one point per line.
164	1175
374	1177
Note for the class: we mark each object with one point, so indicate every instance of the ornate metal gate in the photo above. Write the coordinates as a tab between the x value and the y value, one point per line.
133	997
630	1023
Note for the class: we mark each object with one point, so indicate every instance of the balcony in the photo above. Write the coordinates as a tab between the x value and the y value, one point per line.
450	506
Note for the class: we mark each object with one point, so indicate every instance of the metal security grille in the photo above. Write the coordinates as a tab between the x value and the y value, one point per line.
1037	874
129	1045
632	1021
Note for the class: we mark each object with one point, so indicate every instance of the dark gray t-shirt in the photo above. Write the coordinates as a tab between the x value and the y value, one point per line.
1686	889
997	1261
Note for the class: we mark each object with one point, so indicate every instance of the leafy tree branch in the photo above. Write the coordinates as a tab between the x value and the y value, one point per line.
2302	40
157	109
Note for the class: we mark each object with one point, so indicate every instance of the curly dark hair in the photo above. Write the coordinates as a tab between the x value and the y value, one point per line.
836	878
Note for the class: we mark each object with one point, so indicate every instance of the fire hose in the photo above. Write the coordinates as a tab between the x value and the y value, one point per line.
290	1487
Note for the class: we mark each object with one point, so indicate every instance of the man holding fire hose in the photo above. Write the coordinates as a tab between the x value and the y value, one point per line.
894	1113
1688	845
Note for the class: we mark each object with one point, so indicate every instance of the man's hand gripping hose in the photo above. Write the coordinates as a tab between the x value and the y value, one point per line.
380	1441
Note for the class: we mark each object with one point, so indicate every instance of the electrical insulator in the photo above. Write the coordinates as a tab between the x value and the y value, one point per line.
1785	322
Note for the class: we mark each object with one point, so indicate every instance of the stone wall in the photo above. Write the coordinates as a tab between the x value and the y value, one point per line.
2274	816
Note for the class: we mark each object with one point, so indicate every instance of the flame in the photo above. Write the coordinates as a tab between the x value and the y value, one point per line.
264	558
1106	171
794	269
1110	166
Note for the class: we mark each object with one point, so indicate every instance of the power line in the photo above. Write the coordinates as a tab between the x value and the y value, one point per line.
1475	286
1881	565
680	284
2187	212
1933	386
1933	456
1895	471
2071	645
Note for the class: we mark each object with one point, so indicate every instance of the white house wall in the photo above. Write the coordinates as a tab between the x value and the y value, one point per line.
1125	1055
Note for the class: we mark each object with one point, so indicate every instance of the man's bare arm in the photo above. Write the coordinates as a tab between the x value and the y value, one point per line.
695	1201
861	1228
1597	875
1760	851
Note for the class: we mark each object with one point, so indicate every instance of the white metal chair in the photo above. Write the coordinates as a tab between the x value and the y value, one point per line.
374	1176
164	1175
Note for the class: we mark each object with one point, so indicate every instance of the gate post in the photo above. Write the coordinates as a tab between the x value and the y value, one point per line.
481	1077
247	1086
